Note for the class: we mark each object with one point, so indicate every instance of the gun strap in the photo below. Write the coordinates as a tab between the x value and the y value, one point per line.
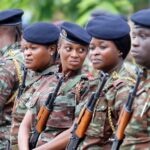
70	85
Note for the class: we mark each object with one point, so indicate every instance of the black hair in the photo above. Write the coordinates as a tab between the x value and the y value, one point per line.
124	45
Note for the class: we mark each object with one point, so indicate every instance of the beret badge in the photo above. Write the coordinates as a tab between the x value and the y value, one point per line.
64	33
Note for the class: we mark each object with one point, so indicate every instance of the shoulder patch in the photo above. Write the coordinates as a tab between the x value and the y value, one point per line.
118	84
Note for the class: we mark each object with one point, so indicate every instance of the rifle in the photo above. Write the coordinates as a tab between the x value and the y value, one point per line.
126	114
85	116
22	86
43	115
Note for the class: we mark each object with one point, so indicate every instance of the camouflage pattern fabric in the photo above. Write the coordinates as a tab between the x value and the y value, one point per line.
8	85
101	128
16	49
64	106
20	108
138	130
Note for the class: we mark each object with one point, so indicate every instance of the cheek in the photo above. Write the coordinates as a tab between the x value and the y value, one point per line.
63	57
82	57
145	50
110	57
41	58
89	55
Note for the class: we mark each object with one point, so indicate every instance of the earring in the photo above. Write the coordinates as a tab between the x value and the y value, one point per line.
120	54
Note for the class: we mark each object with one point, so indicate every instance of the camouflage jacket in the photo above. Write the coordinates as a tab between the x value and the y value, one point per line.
138	130
106	112
20	108
71	92
9	81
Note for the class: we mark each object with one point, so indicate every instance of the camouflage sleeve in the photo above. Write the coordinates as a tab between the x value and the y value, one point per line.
8	82
90	86
121	97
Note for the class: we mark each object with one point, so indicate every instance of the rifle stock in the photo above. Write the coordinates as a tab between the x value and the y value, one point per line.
126	114
43	115
85	117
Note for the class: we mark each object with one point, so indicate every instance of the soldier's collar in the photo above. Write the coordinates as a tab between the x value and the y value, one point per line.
8	47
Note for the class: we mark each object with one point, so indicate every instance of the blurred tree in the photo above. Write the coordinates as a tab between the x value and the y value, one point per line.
73	10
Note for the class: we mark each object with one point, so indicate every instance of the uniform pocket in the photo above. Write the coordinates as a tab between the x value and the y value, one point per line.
97	124
62	116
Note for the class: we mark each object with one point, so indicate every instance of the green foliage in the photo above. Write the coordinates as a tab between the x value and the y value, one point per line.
74	10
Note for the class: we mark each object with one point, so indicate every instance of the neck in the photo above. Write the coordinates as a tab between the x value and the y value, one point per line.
69	72
117	67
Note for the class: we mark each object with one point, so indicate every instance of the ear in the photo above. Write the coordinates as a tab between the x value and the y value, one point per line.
58	49
52	49
120	54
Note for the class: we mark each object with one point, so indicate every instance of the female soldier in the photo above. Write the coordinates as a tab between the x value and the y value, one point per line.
109	47
138	130
39	44
72	48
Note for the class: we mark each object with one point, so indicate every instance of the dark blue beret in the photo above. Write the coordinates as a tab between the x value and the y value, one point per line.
41	33
11	17
108	27
142	18
75	33
113	28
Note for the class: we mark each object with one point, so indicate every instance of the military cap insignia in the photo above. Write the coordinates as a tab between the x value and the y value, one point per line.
64	33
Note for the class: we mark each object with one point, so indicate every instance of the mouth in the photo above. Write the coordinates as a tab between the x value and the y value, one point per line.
74	62
28	61
96	61
134	53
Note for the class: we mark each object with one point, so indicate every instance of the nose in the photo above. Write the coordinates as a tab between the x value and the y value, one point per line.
96	51
135	42
74	53
27	52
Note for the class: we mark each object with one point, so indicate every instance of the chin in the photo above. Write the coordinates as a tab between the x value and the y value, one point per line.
30	67
97	67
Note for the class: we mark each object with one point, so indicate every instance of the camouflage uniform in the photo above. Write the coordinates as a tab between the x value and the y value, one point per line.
138	130
10	73
20	108
106	113
61	118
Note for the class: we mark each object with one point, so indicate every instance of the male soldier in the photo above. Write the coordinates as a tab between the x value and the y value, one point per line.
10	65
10	30
138	131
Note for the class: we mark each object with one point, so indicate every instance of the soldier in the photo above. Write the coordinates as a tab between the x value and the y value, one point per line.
39	44
137	134
11	60
72	48
10	29
109	47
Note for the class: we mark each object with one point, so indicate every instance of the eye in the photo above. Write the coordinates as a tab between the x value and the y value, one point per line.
33	47
91	47
68	49
102	47
24	48
143	36
81	50
133	36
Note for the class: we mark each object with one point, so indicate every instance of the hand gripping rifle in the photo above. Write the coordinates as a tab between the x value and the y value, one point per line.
43	115
126	114
22	86
85	116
